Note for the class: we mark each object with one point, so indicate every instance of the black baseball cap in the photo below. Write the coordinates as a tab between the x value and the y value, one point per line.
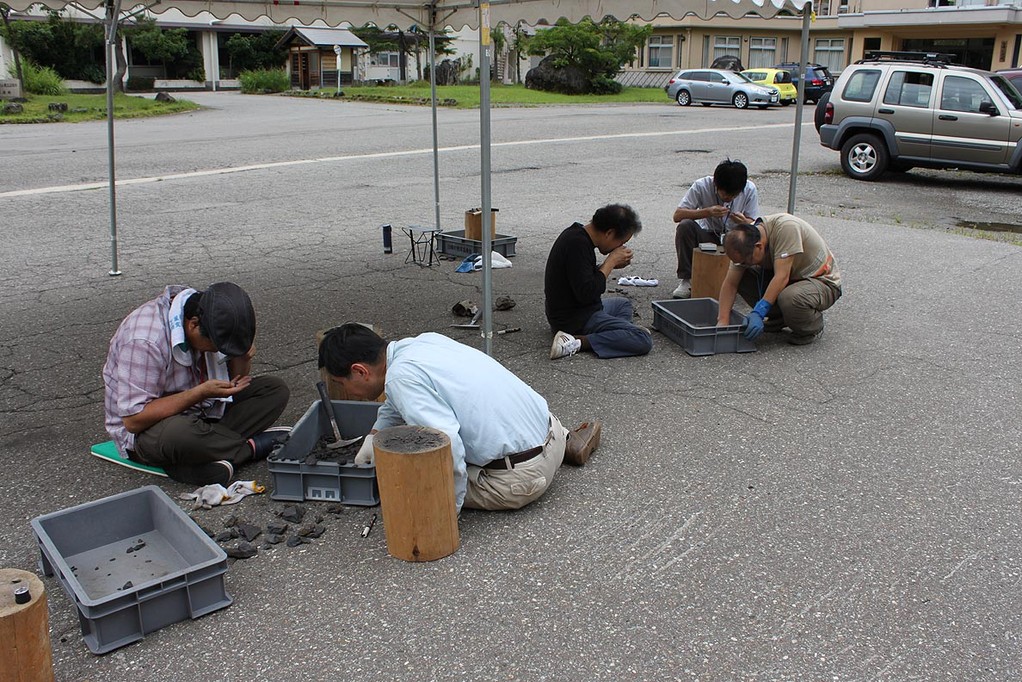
228	319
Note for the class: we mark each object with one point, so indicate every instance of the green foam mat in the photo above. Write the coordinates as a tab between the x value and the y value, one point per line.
110	453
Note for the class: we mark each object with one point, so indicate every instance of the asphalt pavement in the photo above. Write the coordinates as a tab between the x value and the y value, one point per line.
846	510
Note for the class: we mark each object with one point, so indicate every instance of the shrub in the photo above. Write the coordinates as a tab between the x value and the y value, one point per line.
270	80
42	80
140	83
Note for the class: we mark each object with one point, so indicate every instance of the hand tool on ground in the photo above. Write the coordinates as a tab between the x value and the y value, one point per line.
329	407
474	324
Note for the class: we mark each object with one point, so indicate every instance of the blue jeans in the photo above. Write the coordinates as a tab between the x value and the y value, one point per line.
611	333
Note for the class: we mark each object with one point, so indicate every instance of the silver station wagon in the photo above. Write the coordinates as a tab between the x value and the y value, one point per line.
717	86
898	110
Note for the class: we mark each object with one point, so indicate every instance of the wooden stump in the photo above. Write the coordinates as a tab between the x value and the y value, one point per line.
24	630
708	273
415	472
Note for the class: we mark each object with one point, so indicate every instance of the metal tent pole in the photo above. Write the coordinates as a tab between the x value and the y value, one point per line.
113	12
484	149
432	90
796	142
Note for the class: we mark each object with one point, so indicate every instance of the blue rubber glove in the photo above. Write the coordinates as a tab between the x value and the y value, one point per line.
754	322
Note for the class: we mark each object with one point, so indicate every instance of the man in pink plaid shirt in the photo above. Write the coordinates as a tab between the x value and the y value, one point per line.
178	390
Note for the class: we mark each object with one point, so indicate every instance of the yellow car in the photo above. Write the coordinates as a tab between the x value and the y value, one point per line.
777	78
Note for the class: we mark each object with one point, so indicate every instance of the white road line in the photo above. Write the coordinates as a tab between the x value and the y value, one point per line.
59	189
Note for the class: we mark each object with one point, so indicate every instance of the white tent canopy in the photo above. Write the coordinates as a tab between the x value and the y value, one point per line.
453	13
435	16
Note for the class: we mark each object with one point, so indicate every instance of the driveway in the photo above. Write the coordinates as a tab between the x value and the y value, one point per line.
847	510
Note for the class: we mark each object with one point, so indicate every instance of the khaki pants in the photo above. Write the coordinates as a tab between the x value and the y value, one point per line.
495	489
801	302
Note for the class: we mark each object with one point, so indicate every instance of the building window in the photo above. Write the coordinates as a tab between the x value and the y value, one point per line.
660	49
830	52
727	46
762	52
392	59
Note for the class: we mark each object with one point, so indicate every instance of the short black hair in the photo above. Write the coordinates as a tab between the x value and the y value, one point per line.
192	309
742	240
731	176
347	344
622	219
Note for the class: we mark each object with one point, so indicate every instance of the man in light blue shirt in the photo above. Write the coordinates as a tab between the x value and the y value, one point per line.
505	443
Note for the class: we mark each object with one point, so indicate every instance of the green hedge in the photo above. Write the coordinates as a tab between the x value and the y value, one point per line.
270	80
40	80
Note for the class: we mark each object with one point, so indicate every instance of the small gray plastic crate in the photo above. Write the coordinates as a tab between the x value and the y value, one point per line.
294	480
455	245
692	324
177	574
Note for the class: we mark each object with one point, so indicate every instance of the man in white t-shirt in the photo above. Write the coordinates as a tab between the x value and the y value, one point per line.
711	207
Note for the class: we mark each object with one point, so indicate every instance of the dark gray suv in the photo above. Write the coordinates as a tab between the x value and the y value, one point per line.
897	110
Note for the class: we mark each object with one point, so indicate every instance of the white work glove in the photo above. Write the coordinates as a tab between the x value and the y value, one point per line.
366	453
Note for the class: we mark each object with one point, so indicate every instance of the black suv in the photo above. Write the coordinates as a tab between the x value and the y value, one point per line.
818	79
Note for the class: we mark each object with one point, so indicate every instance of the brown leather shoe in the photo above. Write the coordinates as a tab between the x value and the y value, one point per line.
582	442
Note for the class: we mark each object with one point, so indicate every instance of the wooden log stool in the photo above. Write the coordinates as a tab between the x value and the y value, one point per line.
709	268
25	654
415	472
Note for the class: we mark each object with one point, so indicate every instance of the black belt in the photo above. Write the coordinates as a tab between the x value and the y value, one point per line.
509	461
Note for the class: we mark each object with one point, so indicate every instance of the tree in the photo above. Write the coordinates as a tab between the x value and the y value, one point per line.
73	50
596	50
7	34
157	44
254	52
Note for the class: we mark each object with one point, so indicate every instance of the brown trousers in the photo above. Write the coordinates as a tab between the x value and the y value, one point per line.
801	302
185	441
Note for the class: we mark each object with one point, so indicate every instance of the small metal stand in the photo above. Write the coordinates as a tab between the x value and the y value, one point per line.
422	251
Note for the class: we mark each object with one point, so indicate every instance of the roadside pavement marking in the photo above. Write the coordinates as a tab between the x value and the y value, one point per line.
59	189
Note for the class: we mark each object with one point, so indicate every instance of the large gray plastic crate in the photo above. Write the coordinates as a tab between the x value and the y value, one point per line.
455	245
294	480
178	574
692	324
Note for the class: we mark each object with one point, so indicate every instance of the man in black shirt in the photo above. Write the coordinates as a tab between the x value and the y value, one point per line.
574	284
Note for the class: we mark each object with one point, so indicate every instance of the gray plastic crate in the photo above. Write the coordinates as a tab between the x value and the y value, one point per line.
178	574
692	324
294	480
455	245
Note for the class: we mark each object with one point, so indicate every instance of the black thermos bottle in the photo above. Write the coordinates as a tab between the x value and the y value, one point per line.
388	246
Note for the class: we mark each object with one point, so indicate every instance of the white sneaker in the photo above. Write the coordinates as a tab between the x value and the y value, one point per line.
684	289
564	345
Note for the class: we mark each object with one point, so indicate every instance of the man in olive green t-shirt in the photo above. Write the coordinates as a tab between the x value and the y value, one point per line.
782	267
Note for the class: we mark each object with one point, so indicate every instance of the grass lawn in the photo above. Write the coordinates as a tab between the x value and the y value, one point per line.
467	96
93	107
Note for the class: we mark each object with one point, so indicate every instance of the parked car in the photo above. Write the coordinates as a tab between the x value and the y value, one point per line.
718	86
1014	75
897	110
778	78
818	79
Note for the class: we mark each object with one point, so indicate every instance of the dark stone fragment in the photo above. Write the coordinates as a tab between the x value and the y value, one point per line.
223	536
127	586
137	546
276	527
311	460
13	108
319	518
164	97
231	521
292	514
207	531
569	80
249	532
504	303
235	533
57	106
273	538
243	550
337	509
296	540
